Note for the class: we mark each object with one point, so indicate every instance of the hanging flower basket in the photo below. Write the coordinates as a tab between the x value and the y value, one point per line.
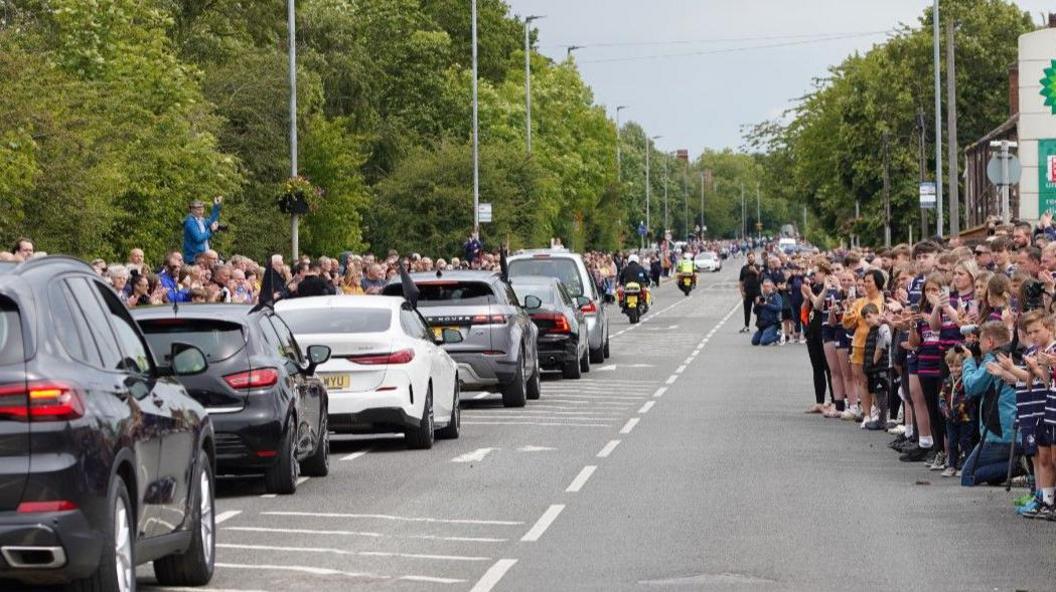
299	196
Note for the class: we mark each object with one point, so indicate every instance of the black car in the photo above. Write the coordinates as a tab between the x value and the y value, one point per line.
268	408
105	461
563	341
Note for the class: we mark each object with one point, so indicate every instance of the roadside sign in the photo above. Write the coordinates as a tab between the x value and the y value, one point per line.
927	195
484	212
641	229
995	171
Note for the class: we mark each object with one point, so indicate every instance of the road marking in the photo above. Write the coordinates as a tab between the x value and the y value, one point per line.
648	405
475	456
552	418
627	427
689	360
671	379
581	479
493	575
607	450
269	495
225	516
301	480
543	523
660	392
182	589
326	550
530	448
696	352
322	571
373	535
673	327
390	517
545	412
354	455
538	423
680	369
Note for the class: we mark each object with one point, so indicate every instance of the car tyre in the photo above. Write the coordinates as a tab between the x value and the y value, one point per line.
281	478
606	347
572	370
318	464
114	573
584	361
597	356
534	388
453	428
421	437
195	566
514	394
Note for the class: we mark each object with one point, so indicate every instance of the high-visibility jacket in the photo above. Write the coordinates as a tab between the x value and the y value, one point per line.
686	266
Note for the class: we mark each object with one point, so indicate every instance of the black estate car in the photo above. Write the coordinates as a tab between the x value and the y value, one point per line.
268	408
105	461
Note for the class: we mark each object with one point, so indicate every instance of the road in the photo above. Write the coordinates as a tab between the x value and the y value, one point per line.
683	463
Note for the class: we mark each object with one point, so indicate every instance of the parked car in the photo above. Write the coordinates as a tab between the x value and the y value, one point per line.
388	372
570	269
563	343
267	405
105	461
498	337
707	261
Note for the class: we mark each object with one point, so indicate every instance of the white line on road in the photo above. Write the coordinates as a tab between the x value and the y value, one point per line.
373	535
648	405
322	571
671	379
493	575
538	423
189	589
543	523
475	456
225	516
269	495
696	352
689	360
390	517
326	550
627	427
607	450
660	392
680	369
301	480
581	479
354	455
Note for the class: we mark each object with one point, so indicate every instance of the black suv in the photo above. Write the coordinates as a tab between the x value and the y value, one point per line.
105	461
268	408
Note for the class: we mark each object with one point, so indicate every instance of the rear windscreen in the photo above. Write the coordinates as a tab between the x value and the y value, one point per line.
562	269
544	293
446	293
338	320
11	348
218	340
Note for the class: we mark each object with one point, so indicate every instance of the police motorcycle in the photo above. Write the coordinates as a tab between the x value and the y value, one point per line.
686	276
634	300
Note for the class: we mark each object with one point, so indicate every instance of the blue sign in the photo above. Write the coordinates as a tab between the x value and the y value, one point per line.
641	229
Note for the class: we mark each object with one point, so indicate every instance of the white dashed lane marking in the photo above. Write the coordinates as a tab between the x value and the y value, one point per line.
493	575
607	450
581	479
627	427
648	405
544	522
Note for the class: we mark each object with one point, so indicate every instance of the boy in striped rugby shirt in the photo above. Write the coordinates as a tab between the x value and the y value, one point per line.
1030	409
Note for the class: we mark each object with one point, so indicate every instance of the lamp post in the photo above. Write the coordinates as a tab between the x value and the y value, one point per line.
476	147
938	121
648	189
528	80
570	49
291	25
619	157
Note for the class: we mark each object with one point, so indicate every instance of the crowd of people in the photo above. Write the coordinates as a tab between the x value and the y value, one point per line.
949	345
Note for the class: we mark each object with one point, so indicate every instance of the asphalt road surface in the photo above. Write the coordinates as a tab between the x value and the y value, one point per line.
683	463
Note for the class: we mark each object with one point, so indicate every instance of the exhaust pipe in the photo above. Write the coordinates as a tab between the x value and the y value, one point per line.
34	557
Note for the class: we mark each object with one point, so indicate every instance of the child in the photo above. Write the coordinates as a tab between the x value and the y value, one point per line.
958	411
877	366
1040	329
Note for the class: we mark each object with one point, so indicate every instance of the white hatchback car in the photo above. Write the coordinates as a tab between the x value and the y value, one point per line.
387	372
708	261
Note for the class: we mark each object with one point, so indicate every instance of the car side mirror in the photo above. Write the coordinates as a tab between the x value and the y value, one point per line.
317	354
187	360
532	302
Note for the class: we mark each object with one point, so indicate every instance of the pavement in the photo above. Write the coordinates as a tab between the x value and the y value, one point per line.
685	462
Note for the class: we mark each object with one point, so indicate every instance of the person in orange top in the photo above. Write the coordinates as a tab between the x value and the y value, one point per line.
852	319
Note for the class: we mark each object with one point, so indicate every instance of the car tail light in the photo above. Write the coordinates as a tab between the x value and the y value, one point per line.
40	401
497	319
403	356
257	378
560	322
589	308
50	506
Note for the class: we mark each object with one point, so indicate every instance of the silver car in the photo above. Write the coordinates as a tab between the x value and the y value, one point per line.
498	347
570	269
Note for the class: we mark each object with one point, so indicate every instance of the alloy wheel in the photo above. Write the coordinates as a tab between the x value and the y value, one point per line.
126	572
205	516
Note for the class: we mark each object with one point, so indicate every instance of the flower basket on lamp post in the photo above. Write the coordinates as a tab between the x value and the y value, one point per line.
299	196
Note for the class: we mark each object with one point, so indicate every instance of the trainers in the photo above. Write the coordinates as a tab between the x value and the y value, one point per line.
851	413
874	426
930	458
939	463
1042	512
898	442
1030	508
915	453
898	430
957	474
1024	499
833	413
949	472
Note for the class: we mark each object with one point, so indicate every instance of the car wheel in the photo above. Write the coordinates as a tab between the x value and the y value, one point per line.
597	356
281	478
117	562
421	437
514	393
535	389
454	425
606	347
571	369
584	360
195	566
318	464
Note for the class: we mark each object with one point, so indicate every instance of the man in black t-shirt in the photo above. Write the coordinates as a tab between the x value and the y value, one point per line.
749	284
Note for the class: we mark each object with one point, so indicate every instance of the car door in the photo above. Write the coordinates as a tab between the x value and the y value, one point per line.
309	400
423	341
444	368
525	327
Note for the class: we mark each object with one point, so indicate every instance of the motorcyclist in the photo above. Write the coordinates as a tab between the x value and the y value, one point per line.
634	272
686	266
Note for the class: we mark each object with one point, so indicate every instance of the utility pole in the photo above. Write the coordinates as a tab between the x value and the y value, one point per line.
887	194
619	156
648	188
291	24
921	126
701	204
758	215
938	120
685	202
951	129
570	49
744	215
666	222
476	130
528	80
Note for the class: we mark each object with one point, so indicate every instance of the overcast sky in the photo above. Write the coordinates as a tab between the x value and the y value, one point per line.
702	101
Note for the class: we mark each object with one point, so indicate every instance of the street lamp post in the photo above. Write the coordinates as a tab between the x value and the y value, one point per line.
619	157
570	49
476	147
665	198
528	80
938	122
291	24
648	183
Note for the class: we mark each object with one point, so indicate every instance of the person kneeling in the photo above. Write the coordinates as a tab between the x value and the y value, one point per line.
767	315
990	382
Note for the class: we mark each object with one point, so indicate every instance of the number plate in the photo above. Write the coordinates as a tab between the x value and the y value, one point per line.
337	382
632	301
438	332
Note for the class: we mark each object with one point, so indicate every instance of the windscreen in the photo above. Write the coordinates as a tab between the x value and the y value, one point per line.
11	348
560	268
338	320
450	293
543	292
218	340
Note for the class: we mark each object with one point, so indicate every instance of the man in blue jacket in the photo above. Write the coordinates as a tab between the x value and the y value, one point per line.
197	230
767	315
988	382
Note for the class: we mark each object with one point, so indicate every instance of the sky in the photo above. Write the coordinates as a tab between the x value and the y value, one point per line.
704	100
